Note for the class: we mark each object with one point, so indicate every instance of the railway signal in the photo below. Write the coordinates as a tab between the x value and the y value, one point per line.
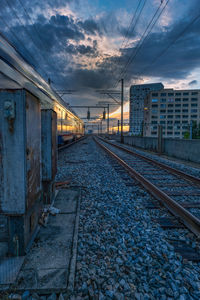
104	114
88	114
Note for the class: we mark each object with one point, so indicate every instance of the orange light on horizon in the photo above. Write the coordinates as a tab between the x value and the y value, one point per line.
117	113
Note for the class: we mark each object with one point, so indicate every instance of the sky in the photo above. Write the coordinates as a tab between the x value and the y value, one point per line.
89	45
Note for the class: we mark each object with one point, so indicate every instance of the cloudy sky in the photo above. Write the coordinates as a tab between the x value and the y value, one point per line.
86	45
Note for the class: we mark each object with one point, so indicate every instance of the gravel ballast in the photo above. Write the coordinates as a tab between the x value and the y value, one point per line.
122	254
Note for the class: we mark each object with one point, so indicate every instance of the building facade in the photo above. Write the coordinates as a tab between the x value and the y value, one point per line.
175	110
137	96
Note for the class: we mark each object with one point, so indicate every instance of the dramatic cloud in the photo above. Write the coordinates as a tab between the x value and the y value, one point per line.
81	46
193	82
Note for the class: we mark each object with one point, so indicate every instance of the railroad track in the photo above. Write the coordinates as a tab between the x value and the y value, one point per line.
70	144
177	191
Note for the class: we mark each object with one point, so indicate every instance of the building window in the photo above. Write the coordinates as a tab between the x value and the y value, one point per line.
170	122
178	116
163	105
154	111
193	110
169	132
154	117
185	110
154	132
194	93
194	99
178	100
177	110
193	116
154	94
185	105
162	116
184	116
163	100
154	122
154	105
185	94
170	94
176	132
185	99
163	111
170	116
162	122
170	127
177	122
170	111
178	94
170	100
170	105
185	122
163	94
154	100
193	104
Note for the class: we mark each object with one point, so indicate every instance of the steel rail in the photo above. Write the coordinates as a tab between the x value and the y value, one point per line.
70	144
184	216
186	176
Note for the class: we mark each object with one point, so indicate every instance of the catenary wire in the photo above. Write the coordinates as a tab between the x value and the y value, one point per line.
143	38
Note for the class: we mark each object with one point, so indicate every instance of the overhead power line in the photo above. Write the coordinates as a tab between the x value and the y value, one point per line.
132	20
136	21
135	24
22	45
34	27
171	44
150	25
25	29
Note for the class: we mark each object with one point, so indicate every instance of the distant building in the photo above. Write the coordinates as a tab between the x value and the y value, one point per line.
173	109
137	96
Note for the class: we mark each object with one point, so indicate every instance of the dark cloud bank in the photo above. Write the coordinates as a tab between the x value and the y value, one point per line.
56	34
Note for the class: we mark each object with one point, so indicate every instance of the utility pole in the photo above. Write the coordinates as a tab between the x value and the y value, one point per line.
122	109
101	127
108	119
118	127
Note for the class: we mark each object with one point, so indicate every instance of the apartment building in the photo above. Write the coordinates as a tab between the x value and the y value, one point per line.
137	96
173	109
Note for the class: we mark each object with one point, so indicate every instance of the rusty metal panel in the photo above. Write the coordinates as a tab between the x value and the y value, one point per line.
12	149
49	145
33	149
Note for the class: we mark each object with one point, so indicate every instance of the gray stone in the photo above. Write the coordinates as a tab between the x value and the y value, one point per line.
122	282
110	293
35	296
25	295
118	296
15	297
182	297
169	292
119	261
52	297
101	296
61	297
138	296
163	297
